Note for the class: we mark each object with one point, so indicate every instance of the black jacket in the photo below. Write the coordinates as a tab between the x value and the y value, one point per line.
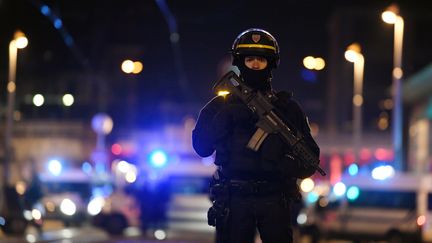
225	125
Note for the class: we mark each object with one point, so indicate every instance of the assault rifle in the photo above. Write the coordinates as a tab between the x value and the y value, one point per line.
269	120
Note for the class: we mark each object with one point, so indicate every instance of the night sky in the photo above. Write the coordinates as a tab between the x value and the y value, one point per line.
83	57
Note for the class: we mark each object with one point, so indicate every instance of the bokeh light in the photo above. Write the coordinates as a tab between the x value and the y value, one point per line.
68	100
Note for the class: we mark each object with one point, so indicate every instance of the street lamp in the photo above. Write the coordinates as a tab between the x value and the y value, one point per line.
129	66
391	16
353	54
102	124
18	42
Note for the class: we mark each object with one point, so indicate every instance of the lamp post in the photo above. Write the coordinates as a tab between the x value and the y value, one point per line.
353	54
18	42
102	124
391	16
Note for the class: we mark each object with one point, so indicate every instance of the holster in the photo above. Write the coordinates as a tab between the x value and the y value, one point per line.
218	213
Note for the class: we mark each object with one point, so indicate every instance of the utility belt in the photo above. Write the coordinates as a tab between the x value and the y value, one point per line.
254	187
222	190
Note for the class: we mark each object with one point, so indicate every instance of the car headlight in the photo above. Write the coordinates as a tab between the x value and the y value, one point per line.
68	207
95	205
302	218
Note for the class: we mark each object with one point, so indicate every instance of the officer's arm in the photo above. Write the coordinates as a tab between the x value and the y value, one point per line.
305	129
204	134
293	110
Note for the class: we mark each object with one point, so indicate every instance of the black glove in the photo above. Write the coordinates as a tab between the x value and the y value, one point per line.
293	167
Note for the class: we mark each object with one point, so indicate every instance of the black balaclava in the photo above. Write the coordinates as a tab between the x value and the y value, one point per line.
256	79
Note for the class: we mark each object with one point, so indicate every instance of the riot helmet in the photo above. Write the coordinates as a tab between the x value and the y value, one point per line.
256	42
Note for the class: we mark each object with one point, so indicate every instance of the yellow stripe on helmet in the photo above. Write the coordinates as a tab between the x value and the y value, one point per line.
256	46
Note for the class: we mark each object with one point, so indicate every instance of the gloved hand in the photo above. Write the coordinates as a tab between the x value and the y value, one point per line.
293	167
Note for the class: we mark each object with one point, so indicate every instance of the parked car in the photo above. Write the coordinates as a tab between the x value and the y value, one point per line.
396	209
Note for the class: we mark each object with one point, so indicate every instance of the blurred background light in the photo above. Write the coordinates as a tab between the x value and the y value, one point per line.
160	234
123	166
319	63
2	221
21	42
68	207
20	187
339	189
353	193
127	66
383	172
68	100
95	205
137	67
309	75
309	62
131	176
312	197
36	214
389	17
158	158
174	37
421	220
301	218
45	10
353	169
58	23
38	100
86	167
307	185
116	149
11	87
55	167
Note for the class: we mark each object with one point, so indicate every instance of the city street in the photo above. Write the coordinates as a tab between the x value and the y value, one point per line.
87	233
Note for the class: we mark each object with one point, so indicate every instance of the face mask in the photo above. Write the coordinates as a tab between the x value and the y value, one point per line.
256	79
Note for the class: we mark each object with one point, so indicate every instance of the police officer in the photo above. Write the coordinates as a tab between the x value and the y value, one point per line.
257	187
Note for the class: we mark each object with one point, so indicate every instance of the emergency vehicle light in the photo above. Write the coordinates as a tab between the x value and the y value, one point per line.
158	158
353	193
55	167
339	189
383	172
353	169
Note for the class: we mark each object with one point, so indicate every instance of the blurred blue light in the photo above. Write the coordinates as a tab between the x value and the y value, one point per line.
2	221
86	167
353	193
100	168
103	191
45	10
353	169
312	197
68	40
58	23
153	176
55	167
158	158
309	75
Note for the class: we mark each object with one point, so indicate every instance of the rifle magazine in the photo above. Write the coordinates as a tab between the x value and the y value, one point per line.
257	139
